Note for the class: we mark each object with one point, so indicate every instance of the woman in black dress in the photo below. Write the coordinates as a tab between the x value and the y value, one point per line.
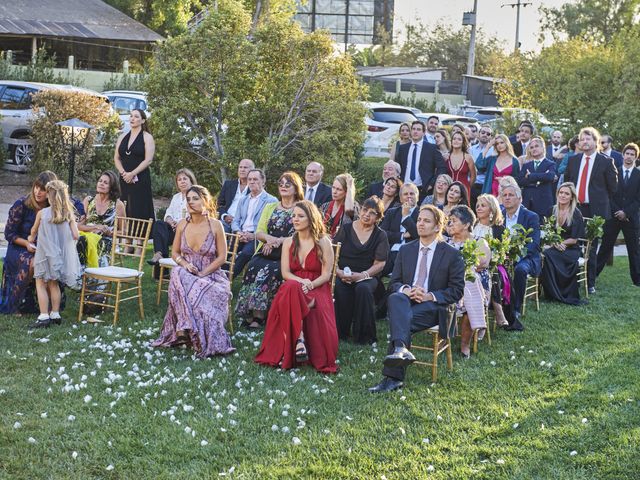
134	153
362	257
560	266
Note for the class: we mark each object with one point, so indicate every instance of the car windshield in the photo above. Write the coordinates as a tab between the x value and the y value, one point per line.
392	116
124	105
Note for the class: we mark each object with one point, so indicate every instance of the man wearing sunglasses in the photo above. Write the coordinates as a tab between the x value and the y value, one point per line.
484	136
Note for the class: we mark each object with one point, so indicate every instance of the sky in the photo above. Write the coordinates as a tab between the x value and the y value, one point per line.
493	19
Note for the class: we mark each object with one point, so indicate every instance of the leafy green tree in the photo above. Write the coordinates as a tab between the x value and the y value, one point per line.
166	17
267	91
597	20
445	46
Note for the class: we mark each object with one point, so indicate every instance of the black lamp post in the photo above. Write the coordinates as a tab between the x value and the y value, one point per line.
75	133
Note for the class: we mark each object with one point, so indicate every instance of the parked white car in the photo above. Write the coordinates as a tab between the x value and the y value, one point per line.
123	101
16	115
383	121
448	120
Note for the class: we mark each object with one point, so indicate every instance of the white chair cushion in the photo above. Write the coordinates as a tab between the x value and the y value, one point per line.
168	262
581	262
434	329
115	272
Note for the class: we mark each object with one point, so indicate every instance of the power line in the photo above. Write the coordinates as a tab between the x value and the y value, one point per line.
517	5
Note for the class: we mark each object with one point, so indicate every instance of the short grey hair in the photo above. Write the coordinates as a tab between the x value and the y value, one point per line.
514	186
396	165
410	186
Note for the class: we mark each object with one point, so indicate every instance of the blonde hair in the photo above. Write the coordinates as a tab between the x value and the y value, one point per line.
572	205
542	143
61	208
506	141
345	179
439	218
496	217
187	173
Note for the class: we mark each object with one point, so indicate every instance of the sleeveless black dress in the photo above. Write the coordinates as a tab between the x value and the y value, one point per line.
137	195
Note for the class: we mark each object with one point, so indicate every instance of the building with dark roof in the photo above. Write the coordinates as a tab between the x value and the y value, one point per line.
98	36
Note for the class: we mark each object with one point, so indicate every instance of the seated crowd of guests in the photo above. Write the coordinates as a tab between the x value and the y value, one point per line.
411	227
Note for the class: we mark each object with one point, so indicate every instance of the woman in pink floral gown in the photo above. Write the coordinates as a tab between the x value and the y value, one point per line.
199	291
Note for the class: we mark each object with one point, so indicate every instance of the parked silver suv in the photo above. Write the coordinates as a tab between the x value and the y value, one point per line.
16	115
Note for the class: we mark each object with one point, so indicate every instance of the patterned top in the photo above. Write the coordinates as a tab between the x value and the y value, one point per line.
107	218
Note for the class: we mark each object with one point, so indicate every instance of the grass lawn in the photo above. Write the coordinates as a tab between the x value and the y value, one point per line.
558	401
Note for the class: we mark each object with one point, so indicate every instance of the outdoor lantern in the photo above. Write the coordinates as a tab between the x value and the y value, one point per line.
75	133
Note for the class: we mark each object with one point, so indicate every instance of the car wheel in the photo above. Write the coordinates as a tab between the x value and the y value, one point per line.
22	154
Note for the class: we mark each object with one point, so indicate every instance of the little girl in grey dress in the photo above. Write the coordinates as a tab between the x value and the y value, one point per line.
56	258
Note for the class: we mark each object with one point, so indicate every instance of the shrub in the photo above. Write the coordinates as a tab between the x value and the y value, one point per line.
52	106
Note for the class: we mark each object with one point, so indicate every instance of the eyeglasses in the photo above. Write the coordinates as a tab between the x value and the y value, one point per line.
285	184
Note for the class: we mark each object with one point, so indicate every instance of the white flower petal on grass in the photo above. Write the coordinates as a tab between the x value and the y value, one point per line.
561	412
274	428
584	420
74	454
31	440
573	453
71	418
425	440
43	415
204	443
187	429
402	431
542	363
87	398
285	413
516	425
187	408
17	425
500	461
439	418
296	441
285	429
430	468
110	467
493	363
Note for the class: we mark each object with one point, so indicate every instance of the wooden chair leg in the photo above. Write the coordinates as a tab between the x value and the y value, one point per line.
160	281
449	355
434	366
230	319
81	309
140	302
475	340
537	295
488	334
117	305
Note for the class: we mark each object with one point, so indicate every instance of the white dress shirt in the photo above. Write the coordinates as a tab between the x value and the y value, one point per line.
313	193
249	225
592	159
231	211
407	175
430	138
396	246
432	248
510	221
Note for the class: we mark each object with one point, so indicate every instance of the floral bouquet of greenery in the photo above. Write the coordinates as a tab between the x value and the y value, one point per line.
519	241
471	256
550	233
499	248
594	228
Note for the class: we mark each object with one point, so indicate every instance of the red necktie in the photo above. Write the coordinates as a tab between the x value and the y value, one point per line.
582	190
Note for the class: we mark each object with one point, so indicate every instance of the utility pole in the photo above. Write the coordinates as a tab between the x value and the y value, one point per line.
517	5
469	18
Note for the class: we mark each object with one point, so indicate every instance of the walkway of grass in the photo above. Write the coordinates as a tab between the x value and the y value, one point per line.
559	401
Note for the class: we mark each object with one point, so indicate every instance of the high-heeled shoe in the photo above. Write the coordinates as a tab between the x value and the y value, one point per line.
301	351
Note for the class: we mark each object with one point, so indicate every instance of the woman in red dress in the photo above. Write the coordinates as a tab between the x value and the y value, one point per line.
460	164
301	326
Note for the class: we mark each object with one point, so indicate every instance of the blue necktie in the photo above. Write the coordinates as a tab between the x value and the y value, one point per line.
412	174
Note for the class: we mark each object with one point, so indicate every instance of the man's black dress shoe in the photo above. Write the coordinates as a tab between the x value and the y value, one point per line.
44	323
401	357
516	326
387	384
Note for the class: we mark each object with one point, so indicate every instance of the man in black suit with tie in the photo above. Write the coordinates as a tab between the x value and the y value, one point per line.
314	190
391	169
555	149
525	132
625	208
231	193
420	162
427	277
596	180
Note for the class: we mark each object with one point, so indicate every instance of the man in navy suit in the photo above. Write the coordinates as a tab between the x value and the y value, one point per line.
596	180
606	148
390	169
248	215
231	193
399	223
530	265
314	190
538	179
427	277
625	207
420	162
